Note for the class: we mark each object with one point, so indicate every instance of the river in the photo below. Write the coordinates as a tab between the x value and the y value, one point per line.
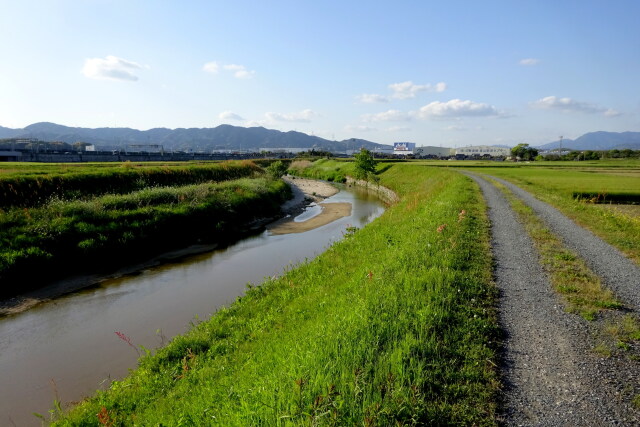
67	348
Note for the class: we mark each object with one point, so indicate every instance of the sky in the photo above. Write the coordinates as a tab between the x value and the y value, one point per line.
444	73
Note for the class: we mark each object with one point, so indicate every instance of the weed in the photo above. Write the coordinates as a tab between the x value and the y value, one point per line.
126	339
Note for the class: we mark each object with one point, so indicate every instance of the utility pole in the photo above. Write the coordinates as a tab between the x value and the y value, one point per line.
561	145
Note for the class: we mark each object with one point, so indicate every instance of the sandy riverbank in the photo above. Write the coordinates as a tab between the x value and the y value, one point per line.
305	191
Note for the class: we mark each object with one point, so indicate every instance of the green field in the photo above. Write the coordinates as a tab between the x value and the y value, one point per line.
601	196
34	184
402	333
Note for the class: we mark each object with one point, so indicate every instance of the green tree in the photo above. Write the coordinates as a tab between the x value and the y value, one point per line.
524	152
277	169
365	164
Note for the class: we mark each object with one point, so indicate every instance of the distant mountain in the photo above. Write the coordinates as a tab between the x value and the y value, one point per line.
8	133
223	137
599	141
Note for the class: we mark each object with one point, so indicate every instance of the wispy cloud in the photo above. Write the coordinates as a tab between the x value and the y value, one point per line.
372	98
569	105
456	108
529	61
211	67
238	71
303	116
359	128
229	115
387	116
398	129
408	89
111	68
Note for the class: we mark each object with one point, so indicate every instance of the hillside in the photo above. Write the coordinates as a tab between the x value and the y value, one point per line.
599	141
223	137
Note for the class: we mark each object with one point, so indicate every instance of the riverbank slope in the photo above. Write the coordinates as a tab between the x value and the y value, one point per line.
390	325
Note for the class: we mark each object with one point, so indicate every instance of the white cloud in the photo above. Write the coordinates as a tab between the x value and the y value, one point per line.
301	116
406	90
239	71
456	128
457	108
372	98
569	105
229	115
387	116
110	68
359	129
398	129
211	67
529	61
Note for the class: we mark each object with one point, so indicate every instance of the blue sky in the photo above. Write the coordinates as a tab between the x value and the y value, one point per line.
448	73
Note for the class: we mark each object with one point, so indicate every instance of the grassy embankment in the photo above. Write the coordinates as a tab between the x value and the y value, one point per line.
68	236
392	325
578	189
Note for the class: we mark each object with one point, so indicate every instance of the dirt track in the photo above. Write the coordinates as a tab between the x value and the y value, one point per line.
549	372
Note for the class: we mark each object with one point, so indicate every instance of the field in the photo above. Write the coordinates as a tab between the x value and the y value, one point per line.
600	196
103	217
403	333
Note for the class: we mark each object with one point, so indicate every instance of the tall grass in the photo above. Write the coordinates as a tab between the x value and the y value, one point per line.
77	236
393	325
28	187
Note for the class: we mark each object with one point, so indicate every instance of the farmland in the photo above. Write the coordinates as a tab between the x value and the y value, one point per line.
600	196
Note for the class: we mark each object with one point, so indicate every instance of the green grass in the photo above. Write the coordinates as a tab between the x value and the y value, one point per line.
394	325
570	276
44	242
28	185
557	183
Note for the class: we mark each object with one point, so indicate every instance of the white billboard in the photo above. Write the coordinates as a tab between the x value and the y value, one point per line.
404	147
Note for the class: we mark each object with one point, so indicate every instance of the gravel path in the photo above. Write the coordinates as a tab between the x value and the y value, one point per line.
550	376
619	273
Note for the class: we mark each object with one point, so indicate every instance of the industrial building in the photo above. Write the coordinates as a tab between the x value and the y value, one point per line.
483	151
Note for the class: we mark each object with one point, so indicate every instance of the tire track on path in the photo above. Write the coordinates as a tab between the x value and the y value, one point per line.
619	273
549	375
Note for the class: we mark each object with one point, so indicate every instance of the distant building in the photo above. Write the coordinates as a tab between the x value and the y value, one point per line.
483	151
431	151
404	148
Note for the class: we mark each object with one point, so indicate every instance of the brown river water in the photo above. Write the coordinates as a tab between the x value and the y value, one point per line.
67	348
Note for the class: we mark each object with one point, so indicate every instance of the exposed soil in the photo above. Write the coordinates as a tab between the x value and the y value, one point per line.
550	373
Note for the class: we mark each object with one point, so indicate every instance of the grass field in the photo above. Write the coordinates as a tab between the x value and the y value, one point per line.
582	191
34	184
394	325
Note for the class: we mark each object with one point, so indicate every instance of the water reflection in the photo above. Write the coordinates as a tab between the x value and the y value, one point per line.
69	346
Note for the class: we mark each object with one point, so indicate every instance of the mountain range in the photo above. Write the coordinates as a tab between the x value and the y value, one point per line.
599	141
223	137
227	137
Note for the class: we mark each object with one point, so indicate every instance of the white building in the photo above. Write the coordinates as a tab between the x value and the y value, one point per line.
483	150
428	150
